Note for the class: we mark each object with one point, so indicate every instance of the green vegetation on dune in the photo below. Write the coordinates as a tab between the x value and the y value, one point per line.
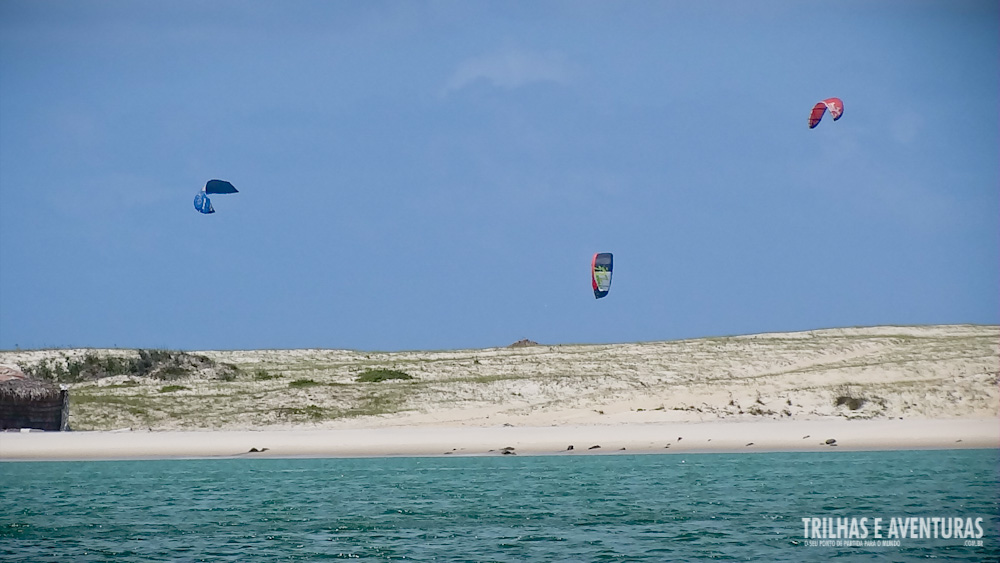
164	365
299	383
377	375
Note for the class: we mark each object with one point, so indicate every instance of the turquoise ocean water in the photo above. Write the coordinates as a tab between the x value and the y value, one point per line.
513	508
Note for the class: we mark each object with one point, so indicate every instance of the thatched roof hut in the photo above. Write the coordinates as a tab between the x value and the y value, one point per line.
30	403
22	390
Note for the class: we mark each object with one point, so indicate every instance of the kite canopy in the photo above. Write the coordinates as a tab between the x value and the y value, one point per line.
600	273
201	201
219	187
835	106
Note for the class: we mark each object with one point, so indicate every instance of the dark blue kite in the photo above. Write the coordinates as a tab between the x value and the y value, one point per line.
201	201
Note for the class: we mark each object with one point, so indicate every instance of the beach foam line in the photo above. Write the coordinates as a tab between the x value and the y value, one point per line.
686	437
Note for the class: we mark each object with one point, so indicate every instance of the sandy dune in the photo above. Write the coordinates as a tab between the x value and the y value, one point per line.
862	376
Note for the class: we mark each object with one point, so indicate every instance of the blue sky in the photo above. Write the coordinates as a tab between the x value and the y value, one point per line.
436	175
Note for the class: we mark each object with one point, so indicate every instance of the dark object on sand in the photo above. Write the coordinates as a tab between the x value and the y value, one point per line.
569	447
593	447
830	442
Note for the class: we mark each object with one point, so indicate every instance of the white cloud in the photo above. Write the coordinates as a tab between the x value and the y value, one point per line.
511	69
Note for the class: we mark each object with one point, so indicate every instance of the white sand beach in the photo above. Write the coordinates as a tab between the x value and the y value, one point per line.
699	437
865	388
